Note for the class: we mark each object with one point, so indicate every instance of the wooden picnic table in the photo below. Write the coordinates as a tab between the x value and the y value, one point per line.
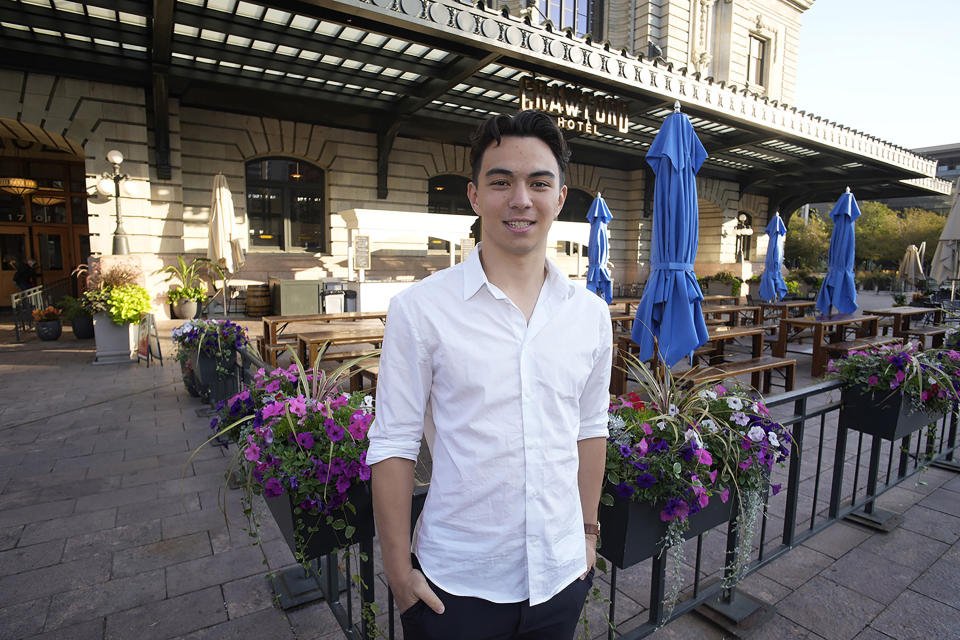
718	299
733	310
902	316
721	334
309	343
273	326
784	307
866	325
627	303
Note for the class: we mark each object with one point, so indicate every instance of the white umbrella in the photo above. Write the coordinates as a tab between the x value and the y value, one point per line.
910	268
223	246
946	259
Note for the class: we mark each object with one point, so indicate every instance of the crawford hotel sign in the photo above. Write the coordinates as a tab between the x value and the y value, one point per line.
576	109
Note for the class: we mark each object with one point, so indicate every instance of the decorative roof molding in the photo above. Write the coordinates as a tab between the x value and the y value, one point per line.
479	26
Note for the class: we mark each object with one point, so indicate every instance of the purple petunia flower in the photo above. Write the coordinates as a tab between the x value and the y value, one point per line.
305	440
272	488
624	490
645	481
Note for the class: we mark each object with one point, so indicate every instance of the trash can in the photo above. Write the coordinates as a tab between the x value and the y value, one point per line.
349	300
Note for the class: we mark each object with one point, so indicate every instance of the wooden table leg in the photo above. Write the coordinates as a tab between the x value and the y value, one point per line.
780	348
758	345
819	360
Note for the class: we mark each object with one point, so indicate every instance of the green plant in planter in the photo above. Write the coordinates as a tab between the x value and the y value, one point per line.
304	442
793	288
73	308
726	277
680	446
198	294
127	303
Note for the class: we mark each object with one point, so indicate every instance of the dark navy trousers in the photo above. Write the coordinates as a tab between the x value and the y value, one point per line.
466	618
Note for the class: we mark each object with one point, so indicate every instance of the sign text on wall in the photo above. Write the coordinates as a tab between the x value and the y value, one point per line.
576	109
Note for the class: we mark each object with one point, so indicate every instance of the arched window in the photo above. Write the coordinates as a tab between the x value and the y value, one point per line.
576	205
286	205
448	194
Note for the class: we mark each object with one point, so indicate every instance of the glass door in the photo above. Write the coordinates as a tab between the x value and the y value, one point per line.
52	250
14	251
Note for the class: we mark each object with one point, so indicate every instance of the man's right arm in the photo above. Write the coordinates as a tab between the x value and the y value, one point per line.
402	392
392	490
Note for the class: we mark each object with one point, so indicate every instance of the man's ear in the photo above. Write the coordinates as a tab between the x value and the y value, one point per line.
472	196
561	200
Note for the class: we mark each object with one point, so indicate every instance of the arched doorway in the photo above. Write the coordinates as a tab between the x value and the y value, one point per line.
43	214
286	205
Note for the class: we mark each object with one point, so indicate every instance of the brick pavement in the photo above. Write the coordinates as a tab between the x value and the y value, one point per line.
107	531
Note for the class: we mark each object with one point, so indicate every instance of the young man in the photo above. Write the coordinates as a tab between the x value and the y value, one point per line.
504	365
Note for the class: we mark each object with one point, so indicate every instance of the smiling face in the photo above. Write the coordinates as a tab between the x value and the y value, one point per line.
518	194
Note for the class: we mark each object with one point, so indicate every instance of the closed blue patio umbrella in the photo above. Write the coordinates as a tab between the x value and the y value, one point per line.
839	288
598	278
669	311
772	286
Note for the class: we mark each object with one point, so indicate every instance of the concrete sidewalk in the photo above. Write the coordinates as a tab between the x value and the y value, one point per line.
109	530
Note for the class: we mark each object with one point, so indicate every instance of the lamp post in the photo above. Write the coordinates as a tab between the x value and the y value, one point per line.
743	232
121	244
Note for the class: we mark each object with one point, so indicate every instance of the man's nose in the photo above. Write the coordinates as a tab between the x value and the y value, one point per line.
520	197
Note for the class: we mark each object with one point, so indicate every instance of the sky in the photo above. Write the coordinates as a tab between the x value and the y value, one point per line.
889	68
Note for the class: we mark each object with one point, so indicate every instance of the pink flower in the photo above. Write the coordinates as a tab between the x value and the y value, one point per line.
724	496
872	380
298	405
647	429
713	476
273	409
900	376
252	452
642	447
703	499
273	386
704	457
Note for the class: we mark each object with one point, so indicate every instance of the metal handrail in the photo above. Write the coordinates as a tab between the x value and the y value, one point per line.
811	414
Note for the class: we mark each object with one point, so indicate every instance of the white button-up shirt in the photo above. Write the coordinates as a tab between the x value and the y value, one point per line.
503	405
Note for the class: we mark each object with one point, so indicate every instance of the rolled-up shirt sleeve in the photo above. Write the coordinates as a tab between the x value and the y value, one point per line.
403	389
595	399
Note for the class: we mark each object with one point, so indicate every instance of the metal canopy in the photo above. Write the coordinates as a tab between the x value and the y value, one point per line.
434	70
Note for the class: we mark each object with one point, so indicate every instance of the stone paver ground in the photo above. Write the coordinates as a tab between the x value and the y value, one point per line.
111	527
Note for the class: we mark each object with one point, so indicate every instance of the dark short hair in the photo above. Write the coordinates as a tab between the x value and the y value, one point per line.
533	124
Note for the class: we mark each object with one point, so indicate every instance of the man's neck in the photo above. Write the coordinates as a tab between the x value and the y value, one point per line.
519	277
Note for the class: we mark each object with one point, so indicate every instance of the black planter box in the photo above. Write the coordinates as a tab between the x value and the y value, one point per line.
630	531
881	413
221	387
325	539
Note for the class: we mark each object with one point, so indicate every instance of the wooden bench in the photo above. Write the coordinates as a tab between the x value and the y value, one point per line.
937	334
269	352
365	372
764	365
844	348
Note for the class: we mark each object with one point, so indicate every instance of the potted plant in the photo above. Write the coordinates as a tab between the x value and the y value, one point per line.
679	455
186	340
116	302
303	444
47	322
192	291
79	315
892	390
187	301
216	344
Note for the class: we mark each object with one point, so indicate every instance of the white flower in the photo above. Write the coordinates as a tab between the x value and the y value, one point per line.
740	418
691	434
709	425
368	401
709	394
756	433
774	440
932	380
661	425
734	403
757	409
673	410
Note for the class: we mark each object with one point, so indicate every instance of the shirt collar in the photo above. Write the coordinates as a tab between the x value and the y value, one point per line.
473	277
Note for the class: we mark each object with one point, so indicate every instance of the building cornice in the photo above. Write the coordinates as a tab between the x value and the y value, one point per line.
542	47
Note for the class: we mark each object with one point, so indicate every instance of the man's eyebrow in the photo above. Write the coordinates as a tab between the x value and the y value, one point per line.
497	171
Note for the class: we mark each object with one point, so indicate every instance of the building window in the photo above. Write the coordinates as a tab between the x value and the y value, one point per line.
583	16
757	61
448	194
575	209
286	205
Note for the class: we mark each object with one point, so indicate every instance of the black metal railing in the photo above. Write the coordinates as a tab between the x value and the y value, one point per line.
813	497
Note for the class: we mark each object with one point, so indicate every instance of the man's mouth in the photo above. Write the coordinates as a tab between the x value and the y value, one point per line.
519	224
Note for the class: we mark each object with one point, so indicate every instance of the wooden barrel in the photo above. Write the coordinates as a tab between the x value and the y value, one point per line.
258	300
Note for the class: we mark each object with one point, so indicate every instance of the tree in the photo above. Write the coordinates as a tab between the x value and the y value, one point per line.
807	244
884	233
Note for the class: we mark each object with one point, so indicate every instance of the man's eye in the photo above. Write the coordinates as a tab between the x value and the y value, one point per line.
499	183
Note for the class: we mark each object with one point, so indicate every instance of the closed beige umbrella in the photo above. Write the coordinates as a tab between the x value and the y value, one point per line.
946	259
910	270
223	245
